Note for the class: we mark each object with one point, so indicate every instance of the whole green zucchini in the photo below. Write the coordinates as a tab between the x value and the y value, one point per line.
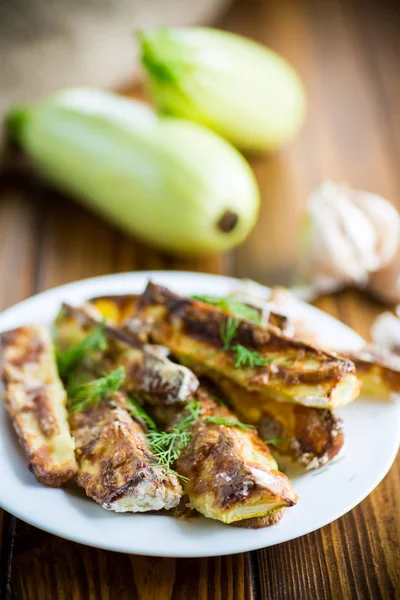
170	182
245	92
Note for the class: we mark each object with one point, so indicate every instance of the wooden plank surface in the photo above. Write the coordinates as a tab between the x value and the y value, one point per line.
348	53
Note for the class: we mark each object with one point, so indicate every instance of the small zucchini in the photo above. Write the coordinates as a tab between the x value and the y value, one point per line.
172	183
245	92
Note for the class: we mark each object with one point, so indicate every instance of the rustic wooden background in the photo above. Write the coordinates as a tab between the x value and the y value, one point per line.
348	53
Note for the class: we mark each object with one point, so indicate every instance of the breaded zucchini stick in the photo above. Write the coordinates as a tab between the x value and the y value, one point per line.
148	369
115	464
377	368
293	371
116	467
231	474
309	437
35	399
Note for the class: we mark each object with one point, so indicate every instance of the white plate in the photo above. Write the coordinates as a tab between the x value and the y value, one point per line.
372	439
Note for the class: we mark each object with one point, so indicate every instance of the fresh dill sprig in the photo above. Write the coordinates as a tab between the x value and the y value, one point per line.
137	412
68	360
229	304
245	357
91	394
227	422
168	445
274	441
228	331
249	358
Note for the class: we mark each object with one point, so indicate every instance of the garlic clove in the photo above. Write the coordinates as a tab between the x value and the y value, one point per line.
386	222
350	234
341	238
360	234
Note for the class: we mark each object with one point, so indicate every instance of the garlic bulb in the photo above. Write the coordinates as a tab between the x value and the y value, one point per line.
350	234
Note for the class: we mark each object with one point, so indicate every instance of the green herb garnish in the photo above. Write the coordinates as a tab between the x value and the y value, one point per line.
229	304
248	358
244	356
274	441
92	393
168	445
228	331
137	412
68	360
228	422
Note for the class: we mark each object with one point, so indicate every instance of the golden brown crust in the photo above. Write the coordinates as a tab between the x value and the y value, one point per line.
294	372
310	437
148	369
230	471
377	369
116	467
35	400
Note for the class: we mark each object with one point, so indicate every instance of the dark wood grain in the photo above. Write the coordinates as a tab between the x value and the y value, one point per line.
348	54
47	567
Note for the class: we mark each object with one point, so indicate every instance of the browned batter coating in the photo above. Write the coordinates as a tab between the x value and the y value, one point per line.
116	467
148	368
231	473
377	368
294	371
35	399
310	437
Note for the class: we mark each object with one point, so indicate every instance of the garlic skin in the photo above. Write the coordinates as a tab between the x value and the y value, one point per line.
385	332
385	284
350	234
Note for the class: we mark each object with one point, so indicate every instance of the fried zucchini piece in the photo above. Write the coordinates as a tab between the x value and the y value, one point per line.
309	437
231	474
378	370
116	467
293	371
35	399
148	368
115	464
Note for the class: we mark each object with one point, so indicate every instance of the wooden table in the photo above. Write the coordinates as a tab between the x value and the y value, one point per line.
348	53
